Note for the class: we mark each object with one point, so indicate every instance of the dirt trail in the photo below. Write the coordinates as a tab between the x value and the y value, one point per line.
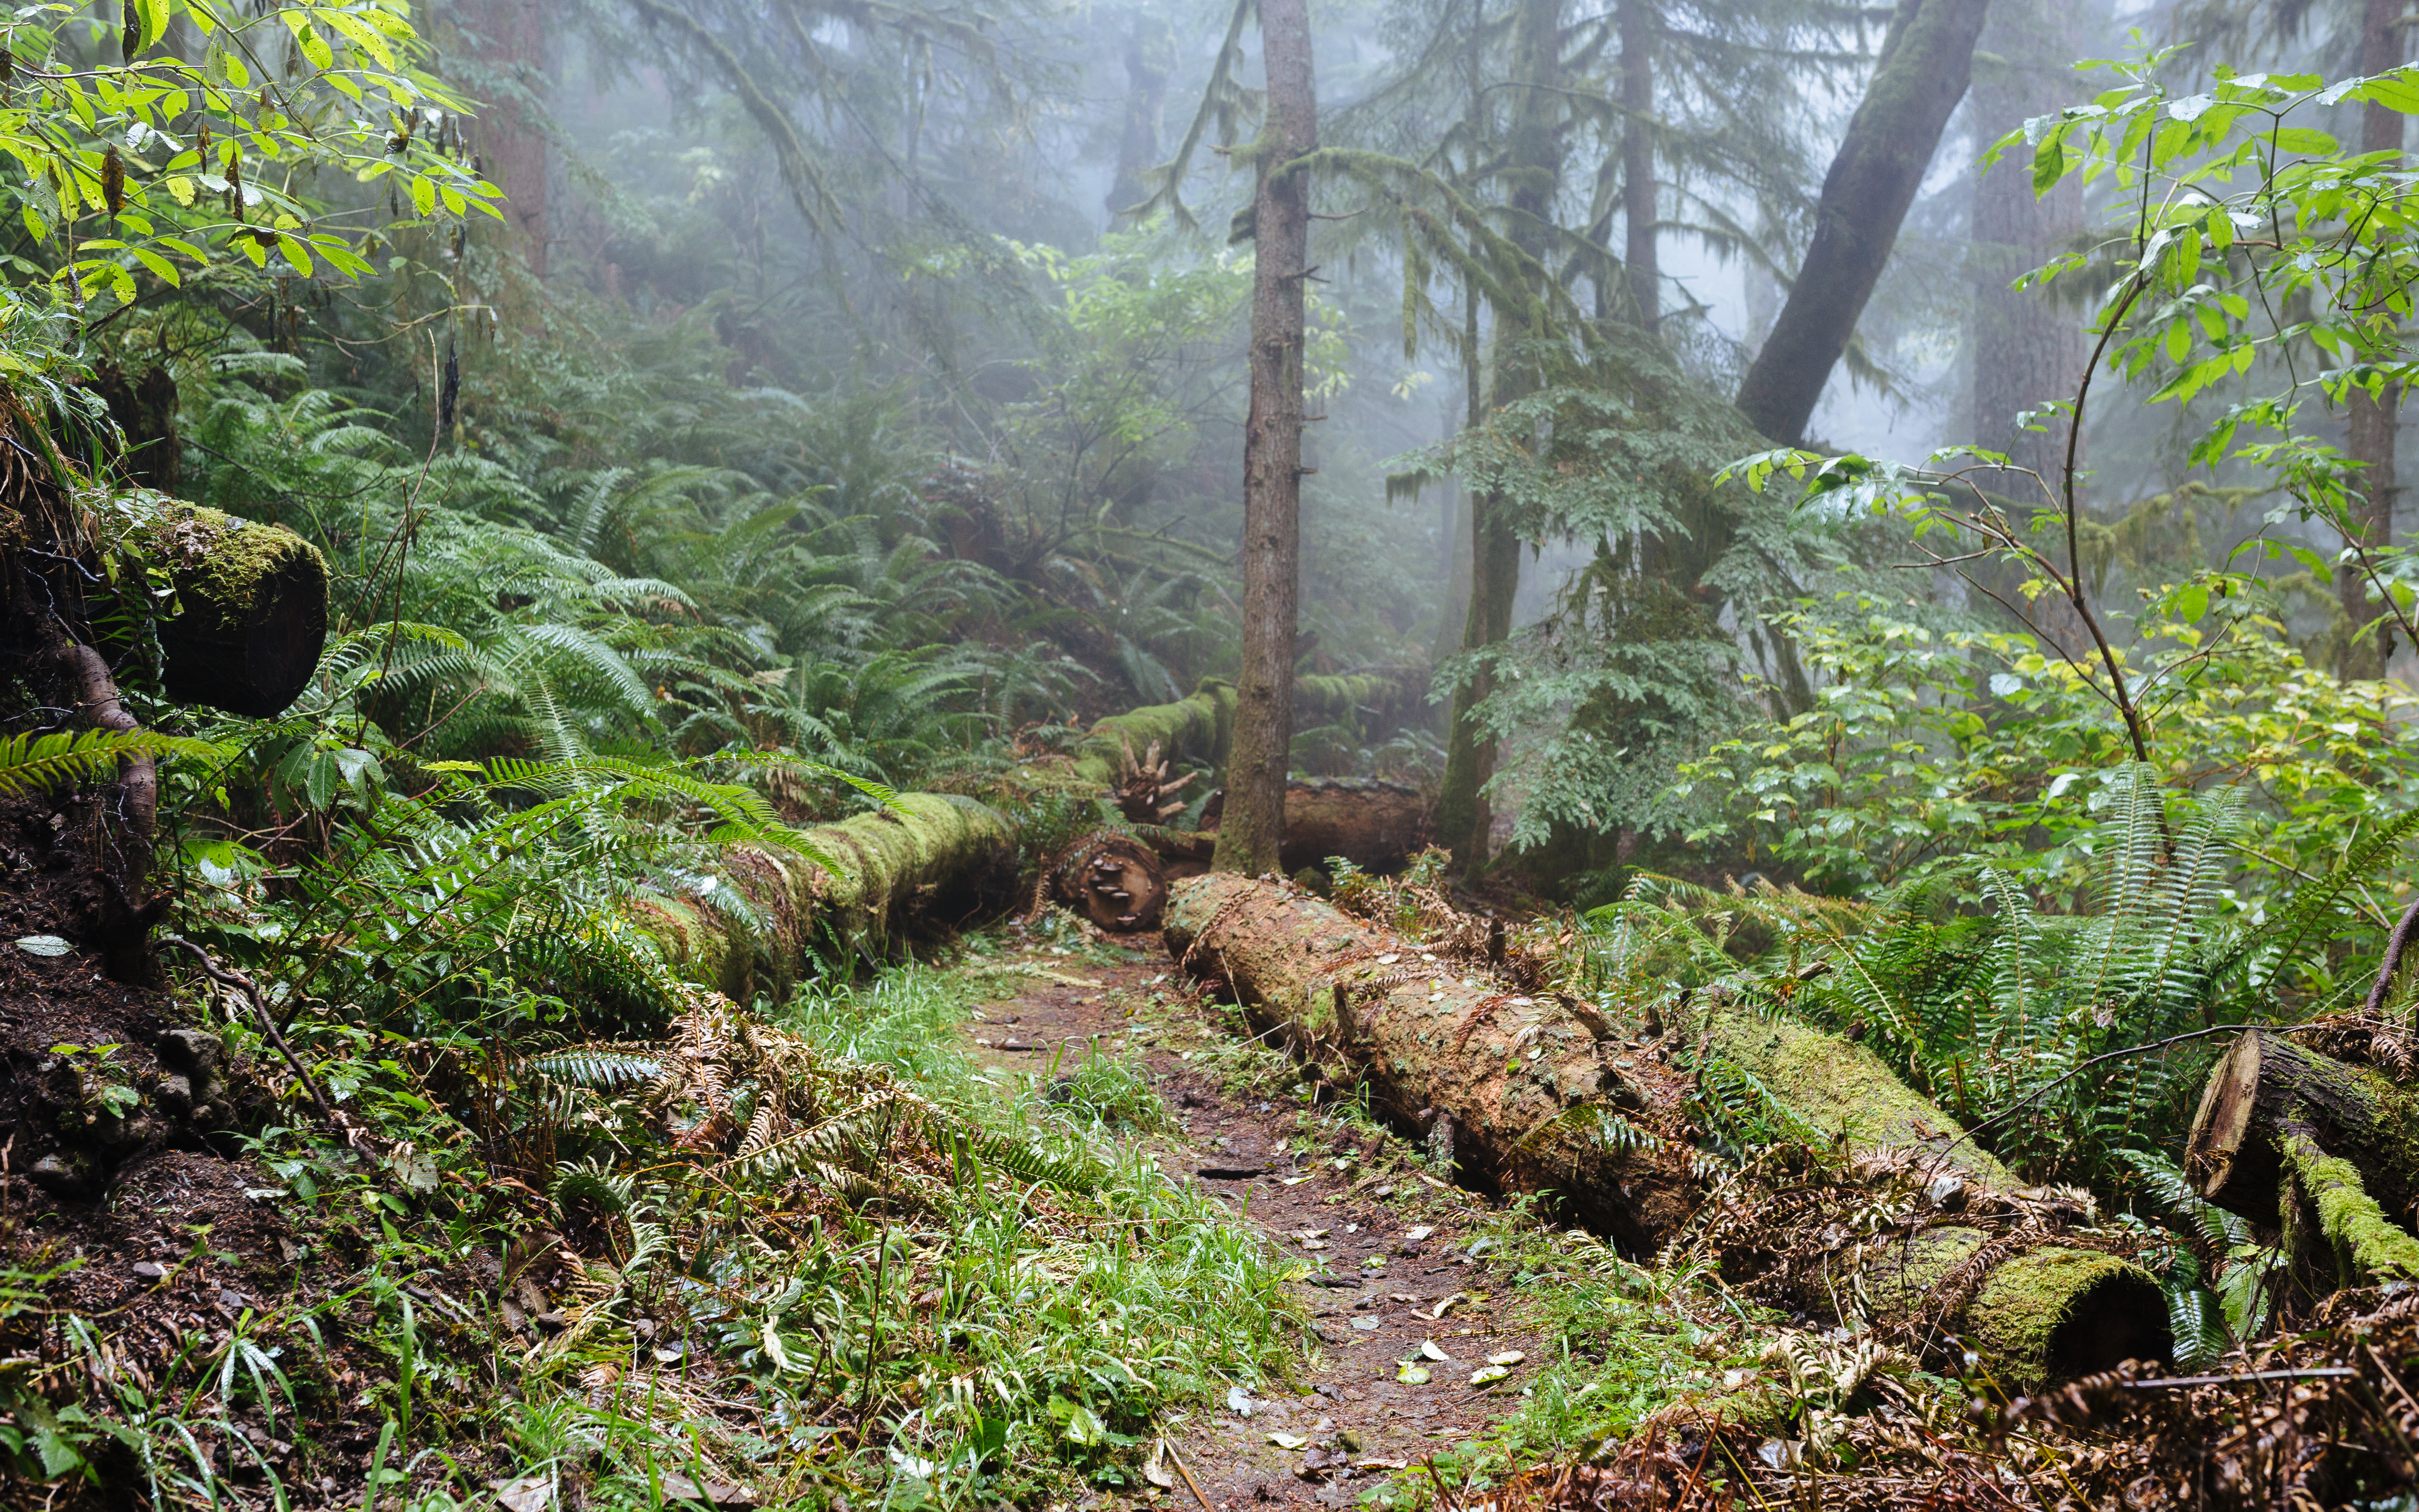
1383	1254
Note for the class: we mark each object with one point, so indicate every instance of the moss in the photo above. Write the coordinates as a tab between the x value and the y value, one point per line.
2016	1321
1198	729
2366	1241
1897	1278
1842	1088
221	559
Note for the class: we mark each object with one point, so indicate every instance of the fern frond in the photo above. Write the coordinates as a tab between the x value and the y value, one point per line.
33	764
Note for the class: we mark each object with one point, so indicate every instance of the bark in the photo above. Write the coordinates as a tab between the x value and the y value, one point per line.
1926	60
251	610
1272	468
512	37
2026	350
1118	881
941	862
1524	1086
2373	419
2268	1090
144	405
1534	154
1639	21
1374	823
1150	56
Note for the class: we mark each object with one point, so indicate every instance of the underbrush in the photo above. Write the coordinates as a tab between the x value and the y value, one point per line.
912	1283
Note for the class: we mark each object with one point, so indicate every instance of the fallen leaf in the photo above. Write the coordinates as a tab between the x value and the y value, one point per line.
531	1494
44	944
1412	1375
1365	1324
1507	1357
1442	1307
1239	1401
1430	1351
1289	1441
1154	1469
1412	1235
1487	1374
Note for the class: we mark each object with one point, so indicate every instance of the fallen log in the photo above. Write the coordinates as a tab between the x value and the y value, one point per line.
1535	1091
937	862
1375	823
2266	1089
1118	881
252	609
1201	729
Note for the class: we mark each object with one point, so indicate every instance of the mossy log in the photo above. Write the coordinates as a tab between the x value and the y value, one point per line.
2034	1312
2267	1089
252	609
1535	1093
939	862
1199	730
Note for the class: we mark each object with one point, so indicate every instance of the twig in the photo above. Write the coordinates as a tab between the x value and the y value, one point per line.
2315	1373
1178	1460
268	1024
2395	944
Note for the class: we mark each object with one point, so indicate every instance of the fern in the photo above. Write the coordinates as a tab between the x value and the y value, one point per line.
35	764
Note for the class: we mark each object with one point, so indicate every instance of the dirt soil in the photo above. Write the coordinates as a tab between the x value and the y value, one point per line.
1384	1263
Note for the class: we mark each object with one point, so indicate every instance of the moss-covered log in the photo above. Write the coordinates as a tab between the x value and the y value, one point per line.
1199	730
1525	1079
940	862
2266	1089
1377	824
2367	1249
252	609
1535	1093
2033	1312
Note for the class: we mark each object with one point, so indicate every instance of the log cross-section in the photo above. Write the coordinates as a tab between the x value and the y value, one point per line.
2268	1088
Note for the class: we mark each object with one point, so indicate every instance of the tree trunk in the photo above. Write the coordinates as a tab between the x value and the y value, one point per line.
511	38
2026	350
2373	419
1150	56
1925	62
1531	1091
1534	151
1272	448
252	609
2266	1089
1639	21
944	861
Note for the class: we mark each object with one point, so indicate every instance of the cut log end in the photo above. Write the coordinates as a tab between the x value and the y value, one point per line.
2060	1314
2220	1159
1116	881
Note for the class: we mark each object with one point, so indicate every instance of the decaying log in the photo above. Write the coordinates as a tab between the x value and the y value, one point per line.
1514	1077
1535	1092
1373	822
941	862
1118	881
1199	730
251	613
2266	1089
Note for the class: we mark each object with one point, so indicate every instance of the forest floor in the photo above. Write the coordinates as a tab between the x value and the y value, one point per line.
1403	1314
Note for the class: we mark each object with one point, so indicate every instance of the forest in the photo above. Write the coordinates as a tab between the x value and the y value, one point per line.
1479	755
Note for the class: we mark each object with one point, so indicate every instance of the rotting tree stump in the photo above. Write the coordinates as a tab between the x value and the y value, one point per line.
1116	881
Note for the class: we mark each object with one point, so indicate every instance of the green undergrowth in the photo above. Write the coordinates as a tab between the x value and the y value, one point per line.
954	1290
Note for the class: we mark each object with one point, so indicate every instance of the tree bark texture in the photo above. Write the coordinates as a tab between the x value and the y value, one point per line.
1926	61
1534	153
2372	420
1149	58
251	614
1638	23
512	37
2028	348
2268	1090
1118	881
1272	447
943	861
1374	823
1528	1085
